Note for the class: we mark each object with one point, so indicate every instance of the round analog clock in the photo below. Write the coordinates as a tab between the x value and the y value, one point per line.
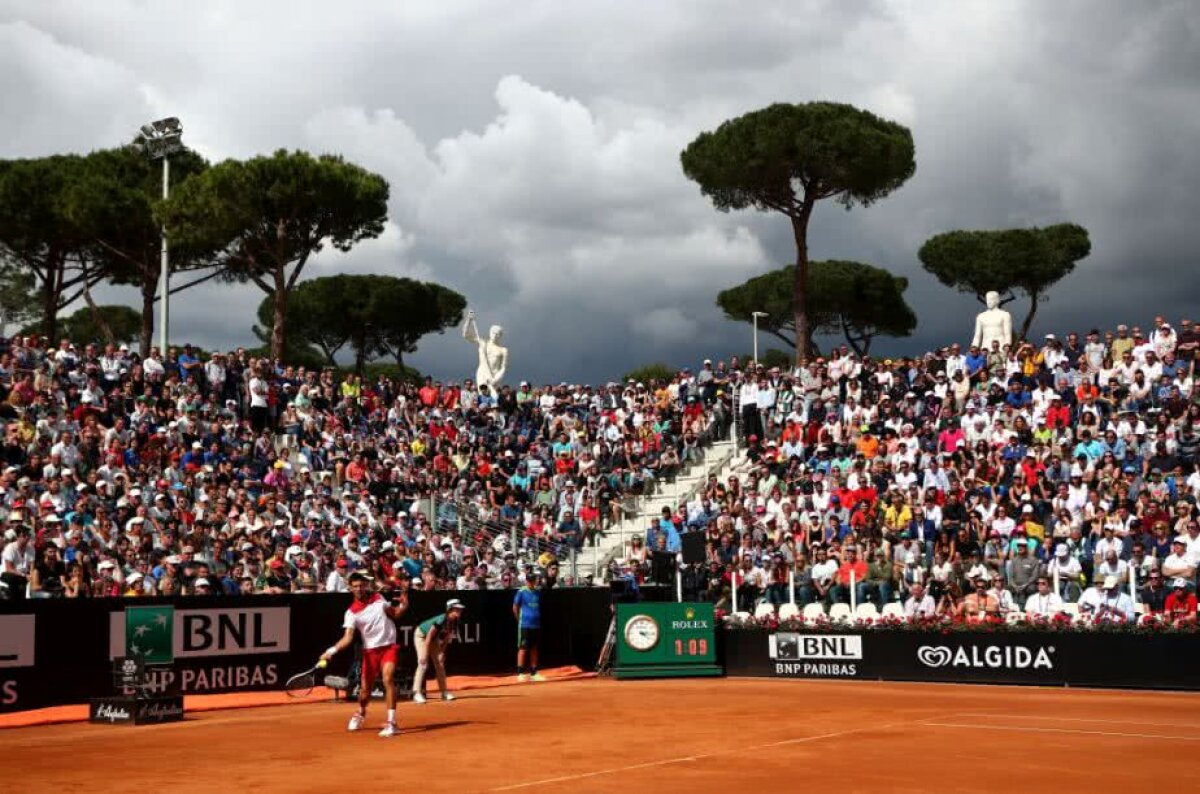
641	632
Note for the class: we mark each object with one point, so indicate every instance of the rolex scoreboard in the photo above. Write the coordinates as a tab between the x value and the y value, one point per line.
656	640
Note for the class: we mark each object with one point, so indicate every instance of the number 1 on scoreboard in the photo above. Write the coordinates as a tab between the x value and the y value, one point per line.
694	647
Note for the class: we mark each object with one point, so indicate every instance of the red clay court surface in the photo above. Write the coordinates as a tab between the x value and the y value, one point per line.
698	735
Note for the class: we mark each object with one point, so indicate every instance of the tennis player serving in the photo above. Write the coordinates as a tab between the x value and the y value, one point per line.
372	616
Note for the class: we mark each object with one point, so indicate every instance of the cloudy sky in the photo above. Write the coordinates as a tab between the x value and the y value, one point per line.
533	147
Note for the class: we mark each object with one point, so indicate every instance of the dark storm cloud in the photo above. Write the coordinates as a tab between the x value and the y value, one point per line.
533	148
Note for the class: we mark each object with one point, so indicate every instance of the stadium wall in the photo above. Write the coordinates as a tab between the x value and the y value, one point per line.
1060	658
55	652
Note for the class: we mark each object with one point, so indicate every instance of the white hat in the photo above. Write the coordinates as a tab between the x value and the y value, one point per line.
1179	582
106	565
1110	582
202	582
174	559
1061	550
454	603
53	518
134	577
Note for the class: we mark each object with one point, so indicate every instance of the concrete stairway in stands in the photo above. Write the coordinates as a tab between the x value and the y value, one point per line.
614	542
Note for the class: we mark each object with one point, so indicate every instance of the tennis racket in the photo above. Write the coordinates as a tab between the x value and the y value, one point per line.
302	684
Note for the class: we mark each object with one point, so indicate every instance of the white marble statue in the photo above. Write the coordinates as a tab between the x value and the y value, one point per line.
993	325
493	356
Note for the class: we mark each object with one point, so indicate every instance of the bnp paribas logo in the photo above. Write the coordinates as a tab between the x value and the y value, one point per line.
150	632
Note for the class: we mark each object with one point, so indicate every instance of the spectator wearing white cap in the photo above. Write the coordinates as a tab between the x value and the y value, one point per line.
1112	602
1068	571
1179	563
1180	605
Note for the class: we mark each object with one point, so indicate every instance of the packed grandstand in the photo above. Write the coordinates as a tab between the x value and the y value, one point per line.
1058	477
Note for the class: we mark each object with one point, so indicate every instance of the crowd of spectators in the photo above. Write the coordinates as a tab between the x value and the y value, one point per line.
195	474
963	483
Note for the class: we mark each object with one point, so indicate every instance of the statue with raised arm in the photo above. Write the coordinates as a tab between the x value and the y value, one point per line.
493	357
993	325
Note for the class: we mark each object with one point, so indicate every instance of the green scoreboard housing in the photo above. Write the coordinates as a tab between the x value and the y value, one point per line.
666	639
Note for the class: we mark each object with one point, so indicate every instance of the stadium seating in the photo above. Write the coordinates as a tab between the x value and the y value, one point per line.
866	611
840	613
788	611
813	612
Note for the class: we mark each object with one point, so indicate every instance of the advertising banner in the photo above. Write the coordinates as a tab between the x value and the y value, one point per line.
237	643
1080	658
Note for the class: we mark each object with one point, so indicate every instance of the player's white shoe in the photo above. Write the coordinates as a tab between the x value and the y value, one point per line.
537	677
447	696
390	730
356	722
522	678
418	698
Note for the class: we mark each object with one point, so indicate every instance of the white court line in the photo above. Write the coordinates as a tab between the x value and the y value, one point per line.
1079	731
1092	720
695	757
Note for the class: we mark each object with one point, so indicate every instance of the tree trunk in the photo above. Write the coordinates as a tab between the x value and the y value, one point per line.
1025	326
49	312
329	355
855	345
360	354
280	316
149	291
51	289
800	288
98	316
789	342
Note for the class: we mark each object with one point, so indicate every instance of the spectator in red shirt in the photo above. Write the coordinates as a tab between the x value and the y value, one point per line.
428	394
1181	605
851	564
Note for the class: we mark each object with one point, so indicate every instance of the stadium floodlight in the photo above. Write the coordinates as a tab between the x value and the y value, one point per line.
756	315
159	140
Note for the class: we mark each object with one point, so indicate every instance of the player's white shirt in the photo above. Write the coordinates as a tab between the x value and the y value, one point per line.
372	623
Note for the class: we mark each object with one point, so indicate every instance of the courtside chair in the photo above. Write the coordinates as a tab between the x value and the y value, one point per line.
840	613
866	611
788	611
813	612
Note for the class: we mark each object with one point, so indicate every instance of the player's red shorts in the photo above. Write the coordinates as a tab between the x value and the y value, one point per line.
373	661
